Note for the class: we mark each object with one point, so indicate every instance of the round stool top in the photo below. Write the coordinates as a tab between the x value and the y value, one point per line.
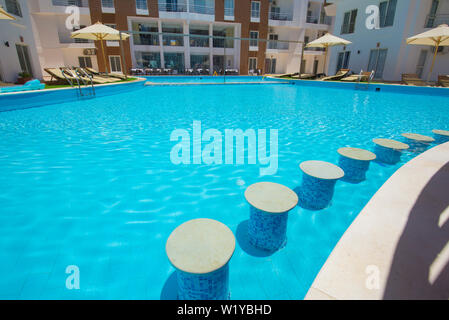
322	170
391	144
271	197
418	137
357	154
441	132
200	246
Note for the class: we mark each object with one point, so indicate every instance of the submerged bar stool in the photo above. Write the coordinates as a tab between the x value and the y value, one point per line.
269	207
200	250
441	136
355	163
389	151
417	142
318	184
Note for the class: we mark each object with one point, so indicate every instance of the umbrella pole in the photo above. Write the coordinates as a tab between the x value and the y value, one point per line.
325	60
433	61
104	56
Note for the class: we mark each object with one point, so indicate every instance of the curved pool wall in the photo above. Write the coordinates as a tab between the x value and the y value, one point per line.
31	99
90	183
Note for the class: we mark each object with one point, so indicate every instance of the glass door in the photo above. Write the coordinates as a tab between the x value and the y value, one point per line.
377	61
24	58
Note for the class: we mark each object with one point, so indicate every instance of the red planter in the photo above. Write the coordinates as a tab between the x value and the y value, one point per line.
23	80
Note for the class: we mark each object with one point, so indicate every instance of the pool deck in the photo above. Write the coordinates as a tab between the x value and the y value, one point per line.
398	246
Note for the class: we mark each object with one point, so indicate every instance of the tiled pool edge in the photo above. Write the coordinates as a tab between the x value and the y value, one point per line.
369	246
25	100
380	87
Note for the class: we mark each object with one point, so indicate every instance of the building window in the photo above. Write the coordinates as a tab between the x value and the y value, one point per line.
349	20
107	3
85	62
254	35
252	65
116	65
172	40
343	60
229	8
387	10
199	35
430	23
13	7
255	11
141	4
377	61
147	39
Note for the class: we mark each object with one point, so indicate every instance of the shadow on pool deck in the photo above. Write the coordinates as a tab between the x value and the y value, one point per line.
420	265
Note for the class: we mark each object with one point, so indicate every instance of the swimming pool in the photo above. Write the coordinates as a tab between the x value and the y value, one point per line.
90	183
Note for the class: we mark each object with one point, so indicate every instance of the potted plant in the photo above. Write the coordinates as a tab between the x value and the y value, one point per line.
24	77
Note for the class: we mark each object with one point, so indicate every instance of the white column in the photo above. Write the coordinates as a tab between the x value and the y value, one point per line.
211	49
186	45
161	46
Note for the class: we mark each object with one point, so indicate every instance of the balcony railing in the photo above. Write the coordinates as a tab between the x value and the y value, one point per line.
315	49
200	42
281	16
66	3
319	20
433	21
193	8
172	7
276	45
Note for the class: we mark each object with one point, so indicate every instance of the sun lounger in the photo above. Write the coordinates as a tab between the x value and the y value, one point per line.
339	75
443	80
363	76
113	75
97	79
28	86
412	79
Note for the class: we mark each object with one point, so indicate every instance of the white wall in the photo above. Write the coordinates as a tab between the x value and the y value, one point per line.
401	58
12	31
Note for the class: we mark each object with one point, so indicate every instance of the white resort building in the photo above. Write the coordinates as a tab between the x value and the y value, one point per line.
385	49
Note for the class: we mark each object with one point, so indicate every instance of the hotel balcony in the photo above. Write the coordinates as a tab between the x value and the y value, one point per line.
66	42
277	47
435	20
188	11
319	20
281	13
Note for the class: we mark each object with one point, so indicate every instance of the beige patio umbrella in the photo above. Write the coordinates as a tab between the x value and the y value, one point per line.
5	16
326	41
436	37
101	33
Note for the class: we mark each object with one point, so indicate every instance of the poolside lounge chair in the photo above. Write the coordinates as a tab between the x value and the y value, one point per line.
304	76
96	78
58	74
339	75
412	79
363	76
443	80
112	75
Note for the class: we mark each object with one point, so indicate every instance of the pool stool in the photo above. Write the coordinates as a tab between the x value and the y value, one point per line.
417	142
441	136
355	163
318	184
200	250
269	207
389	151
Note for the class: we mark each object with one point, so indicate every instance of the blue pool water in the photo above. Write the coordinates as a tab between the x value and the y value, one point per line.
90	183
205	79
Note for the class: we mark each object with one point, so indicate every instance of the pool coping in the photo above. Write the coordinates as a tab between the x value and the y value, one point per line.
390	247
72	88
365	87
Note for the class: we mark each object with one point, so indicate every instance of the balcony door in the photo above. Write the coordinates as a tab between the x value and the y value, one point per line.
24	58
377	61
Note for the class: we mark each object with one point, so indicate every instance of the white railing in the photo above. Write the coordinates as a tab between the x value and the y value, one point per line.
281	16
319	20
277	45
194	8
172	7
